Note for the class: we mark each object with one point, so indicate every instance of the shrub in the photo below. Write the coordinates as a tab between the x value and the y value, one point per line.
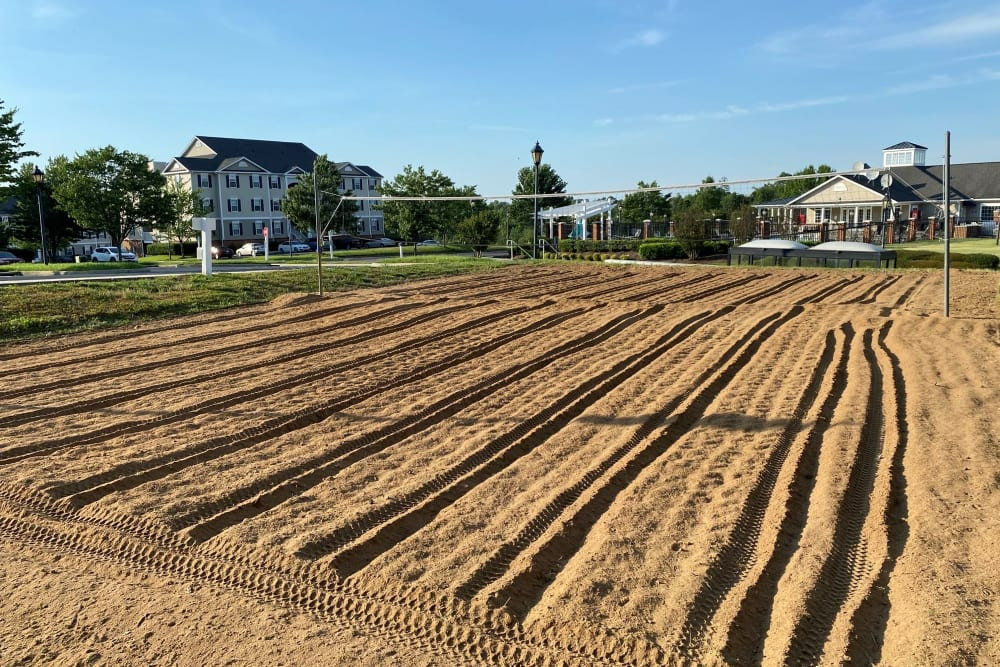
189	249
978	260
661	250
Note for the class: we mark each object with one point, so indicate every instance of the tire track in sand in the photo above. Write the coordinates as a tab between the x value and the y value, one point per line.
283	485
417	509
736	557
744	637
216	403
525	588
137	473
847	562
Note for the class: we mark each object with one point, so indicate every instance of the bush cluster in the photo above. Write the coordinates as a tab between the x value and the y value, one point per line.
591	246
189	249
673	250
928	259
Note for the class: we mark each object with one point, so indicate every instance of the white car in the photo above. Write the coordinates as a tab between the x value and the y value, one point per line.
250	250
293	247
109	253
429	242
384	243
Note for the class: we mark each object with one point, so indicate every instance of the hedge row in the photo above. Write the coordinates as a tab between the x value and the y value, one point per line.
926	259
591	246
674	250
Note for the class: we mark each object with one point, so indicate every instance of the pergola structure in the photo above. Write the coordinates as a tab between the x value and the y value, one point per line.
580	212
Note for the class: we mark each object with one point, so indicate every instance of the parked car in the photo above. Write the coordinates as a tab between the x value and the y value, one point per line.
346	241
293	247
383	243
9	258
250	250
429	242
110	253
222	252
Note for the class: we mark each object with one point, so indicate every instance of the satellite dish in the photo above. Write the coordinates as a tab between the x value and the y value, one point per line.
872	174
886	180
859	166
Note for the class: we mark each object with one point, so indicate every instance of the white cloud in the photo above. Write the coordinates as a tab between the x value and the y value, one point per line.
639	87
51	11
603	122
645	38
871	27
733	111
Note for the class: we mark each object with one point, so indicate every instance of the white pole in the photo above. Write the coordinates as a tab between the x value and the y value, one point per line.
947	220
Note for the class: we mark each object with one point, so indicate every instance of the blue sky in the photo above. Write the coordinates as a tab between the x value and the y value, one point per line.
616	91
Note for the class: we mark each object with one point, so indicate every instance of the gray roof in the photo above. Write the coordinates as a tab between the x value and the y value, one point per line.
368	171
276	157
974	180
904	144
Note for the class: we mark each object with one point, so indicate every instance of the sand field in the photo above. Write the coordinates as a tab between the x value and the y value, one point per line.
544	465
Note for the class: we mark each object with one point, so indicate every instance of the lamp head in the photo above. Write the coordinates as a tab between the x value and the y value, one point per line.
38	175
536	154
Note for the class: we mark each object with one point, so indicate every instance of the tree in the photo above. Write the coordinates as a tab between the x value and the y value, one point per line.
742	224
60	228
479	229
690	230
180	206
792	187
649	205
413	220
111	191
10	145
299	205
522	210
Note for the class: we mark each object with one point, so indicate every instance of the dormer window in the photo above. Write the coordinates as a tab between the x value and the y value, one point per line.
904	154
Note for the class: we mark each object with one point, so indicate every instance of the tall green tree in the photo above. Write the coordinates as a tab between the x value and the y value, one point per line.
180	206
416	220
791	187
60	228
111	191
638	206
522	210
299	204
10	146
479	229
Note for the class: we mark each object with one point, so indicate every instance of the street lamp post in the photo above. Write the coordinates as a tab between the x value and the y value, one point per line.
536	157
39	177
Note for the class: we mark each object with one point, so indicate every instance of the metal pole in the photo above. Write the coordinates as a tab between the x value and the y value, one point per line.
319	239
947	220
534	222
41	224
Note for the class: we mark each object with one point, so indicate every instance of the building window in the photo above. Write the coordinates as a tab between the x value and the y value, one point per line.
356	183
376	225
989	213
208	204
204	180
234	205
258	227
898	158
256	204
236	229
372	183
275	204
275	181
278	227
256	181
232	180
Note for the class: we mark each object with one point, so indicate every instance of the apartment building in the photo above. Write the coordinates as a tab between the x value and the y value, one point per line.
242	183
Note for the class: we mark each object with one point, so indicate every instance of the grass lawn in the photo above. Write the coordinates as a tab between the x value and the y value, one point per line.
963	246
52	308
